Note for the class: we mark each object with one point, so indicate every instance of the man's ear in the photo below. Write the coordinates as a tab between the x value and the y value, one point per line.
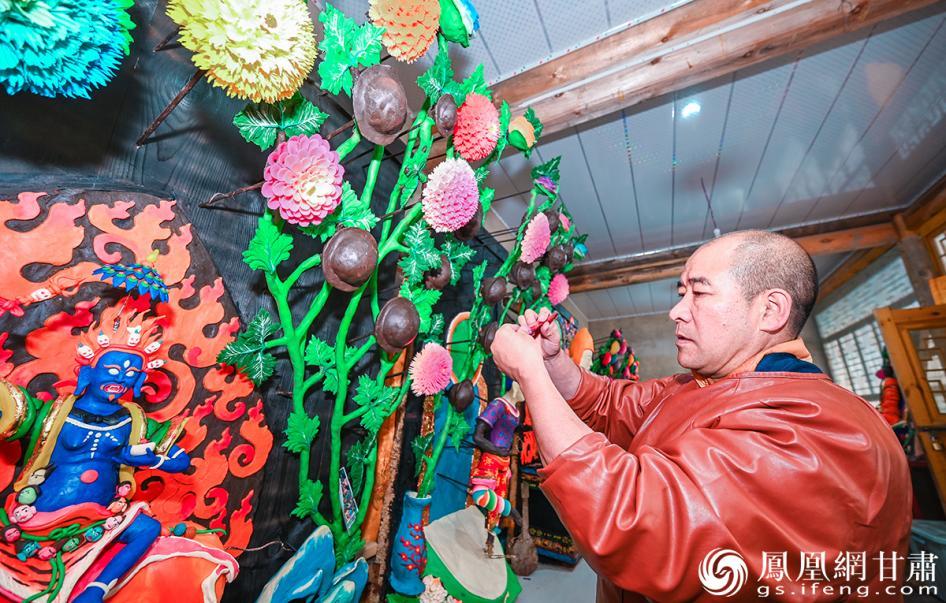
83	379
136	389
776	311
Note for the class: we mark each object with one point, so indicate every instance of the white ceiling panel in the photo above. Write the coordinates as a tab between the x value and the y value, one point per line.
698	141
907	104
758	98
650	139
836	163
604	145
815	87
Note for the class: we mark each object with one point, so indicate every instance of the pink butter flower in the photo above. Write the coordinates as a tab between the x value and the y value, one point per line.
302	180
537	238
558	289
476	131
451	196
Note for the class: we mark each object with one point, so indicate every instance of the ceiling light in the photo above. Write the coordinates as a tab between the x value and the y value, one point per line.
690	109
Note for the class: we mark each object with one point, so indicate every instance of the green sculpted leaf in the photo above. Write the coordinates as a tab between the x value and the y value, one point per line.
357	458
424	300
310	495
324	230
437	324
419	446
368	391
544	276
422	254
365	45
478	273
355	214
458	254
533	119
247	351
299	116
457	429
301	431
349	547
318	353
330	384
436	80
269	247
549	169
259	123
337	27
474	84
379	399
486	199
504	116
346	45
334	74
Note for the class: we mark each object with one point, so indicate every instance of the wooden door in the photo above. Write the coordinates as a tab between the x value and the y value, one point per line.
916	344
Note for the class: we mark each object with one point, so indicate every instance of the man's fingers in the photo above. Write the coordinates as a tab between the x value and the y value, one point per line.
523	322
530	316
543	314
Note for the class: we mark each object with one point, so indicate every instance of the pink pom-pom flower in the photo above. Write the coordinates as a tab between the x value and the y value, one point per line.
451	196
303	180
430	370
558	289
537	237
476	131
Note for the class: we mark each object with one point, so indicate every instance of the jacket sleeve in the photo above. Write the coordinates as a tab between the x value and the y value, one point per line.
616	407
763	478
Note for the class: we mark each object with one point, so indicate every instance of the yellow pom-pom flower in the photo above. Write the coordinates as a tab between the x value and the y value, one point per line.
260	51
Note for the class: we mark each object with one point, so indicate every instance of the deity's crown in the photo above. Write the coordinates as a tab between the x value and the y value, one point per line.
121	328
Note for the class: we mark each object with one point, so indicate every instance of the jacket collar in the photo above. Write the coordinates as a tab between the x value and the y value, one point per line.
795	347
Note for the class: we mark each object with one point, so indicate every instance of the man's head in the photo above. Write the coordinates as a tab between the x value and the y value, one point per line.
740	294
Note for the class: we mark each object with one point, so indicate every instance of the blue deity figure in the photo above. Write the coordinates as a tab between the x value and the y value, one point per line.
81	450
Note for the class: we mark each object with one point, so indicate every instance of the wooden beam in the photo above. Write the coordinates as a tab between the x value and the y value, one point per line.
929	211
852	239
693	43
923	216
652	267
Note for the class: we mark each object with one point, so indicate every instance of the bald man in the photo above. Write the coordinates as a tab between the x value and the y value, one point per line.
754	464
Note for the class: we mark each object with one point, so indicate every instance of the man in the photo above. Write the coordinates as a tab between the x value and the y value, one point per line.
756	451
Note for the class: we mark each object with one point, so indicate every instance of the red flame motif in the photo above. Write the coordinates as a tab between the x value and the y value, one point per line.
226	434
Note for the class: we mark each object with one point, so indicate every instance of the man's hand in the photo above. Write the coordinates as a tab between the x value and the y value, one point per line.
517	353
548	334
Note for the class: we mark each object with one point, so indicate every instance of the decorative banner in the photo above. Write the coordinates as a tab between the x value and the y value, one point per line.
56	241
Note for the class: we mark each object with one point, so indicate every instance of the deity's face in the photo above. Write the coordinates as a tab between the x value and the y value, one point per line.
114	373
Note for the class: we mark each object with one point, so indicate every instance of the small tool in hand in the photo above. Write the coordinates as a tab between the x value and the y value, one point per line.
534	329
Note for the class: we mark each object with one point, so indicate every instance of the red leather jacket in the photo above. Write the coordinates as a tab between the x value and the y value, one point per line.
757	461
